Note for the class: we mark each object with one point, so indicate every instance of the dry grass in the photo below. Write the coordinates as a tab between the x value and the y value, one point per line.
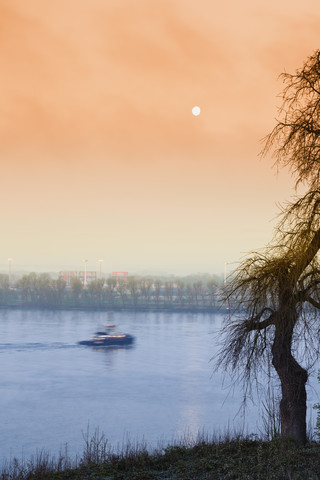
202	458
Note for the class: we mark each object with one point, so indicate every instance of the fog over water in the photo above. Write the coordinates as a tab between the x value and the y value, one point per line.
161	388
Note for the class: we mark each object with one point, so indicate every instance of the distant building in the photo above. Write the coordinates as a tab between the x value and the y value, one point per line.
120	276
67	276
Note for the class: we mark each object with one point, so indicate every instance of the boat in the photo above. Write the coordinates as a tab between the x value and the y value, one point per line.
109	337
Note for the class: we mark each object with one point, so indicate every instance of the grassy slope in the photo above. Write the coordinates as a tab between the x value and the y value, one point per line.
242	459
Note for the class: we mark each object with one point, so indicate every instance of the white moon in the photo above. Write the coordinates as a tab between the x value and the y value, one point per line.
196	111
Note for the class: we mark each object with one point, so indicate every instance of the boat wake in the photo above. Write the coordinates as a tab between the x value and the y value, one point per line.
20	347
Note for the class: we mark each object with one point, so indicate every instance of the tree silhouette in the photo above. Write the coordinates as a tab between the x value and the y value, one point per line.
274	293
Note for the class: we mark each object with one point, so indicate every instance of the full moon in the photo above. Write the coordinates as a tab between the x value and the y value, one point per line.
196	111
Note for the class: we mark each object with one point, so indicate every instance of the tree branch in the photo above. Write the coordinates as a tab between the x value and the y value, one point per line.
255	324
310	253
305	297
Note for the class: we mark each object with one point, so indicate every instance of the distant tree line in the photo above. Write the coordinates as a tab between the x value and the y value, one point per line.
188	293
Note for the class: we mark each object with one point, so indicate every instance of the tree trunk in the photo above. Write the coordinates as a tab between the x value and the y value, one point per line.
293	378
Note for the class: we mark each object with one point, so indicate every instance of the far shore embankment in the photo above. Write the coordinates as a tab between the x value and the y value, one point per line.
109	309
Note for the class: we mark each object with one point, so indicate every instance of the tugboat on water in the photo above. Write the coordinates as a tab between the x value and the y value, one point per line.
109	337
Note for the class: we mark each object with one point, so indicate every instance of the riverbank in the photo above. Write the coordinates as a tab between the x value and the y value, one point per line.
230	459
195	293
118	308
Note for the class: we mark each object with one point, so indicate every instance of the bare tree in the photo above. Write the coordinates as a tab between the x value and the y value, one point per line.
157	291
59	287
212	286
111	290
197	290
274	294
122	290
4	288
95	289
76	289
133	287
180	291
168	291
145	288
295	140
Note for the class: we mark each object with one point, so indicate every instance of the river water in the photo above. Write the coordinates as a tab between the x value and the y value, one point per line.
160	389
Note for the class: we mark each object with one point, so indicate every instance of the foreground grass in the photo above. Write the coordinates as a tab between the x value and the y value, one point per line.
235	459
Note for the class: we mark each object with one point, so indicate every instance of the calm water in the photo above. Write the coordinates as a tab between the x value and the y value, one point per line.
163	387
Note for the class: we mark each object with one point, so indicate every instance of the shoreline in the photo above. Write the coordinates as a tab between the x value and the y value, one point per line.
235	457
101	308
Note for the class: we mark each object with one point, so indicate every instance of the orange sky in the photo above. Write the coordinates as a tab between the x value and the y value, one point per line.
100	154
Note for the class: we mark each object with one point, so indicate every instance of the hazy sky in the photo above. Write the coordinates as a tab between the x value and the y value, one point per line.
101	157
